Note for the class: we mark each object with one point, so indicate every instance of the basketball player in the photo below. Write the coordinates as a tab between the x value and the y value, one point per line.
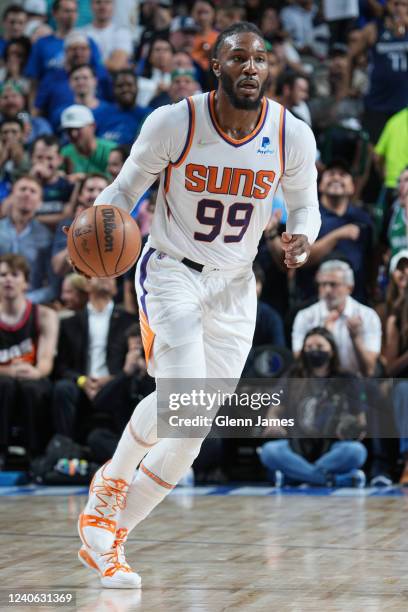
220	157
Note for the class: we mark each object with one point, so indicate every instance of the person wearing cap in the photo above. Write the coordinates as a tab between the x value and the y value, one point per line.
48	52
55	93
115	43
397	232
122	120
183	85
346	232
183	31
85	152
37	26
396	353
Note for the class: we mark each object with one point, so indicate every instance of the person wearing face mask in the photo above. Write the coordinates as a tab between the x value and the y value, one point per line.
326	404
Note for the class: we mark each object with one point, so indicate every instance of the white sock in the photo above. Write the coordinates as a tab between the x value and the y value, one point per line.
144	495
137	439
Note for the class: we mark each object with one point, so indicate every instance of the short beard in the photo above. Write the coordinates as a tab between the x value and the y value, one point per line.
240	103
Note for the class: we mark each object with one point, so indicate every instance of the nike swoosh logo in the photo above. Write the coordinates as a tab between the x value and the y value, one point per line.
204	143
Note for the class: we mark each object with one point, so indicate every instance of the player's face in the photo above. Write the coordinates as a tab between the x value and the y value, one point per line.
242	68
12	282
333	288
336	182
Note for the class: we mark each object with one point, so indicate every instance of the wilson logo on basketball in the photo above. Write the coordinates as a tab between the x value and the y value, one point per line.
109	226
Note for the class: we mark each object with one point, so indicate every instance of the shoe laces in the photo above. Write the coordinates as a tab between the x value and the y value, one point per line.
115	558
111	494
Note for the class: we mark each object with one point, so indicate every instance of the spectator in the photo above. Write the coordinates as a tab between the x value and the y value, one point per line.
91	350
275	65
14	22
356	328
391	152
388	90
182	34
183	85
203	13
37	26
346	230
122	120
119	396
55	92
13	104
157	71
85	152
57	190
292	91
48	52
28	338
15	58
397	235
116	159
114	43
20	233
297	21
87	191
14	160
396	353
74	295
334	457
83	84
227	16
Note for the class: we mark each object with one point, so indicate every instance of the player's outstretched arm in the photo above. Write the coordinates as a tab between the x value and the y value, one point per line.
160	141
299	186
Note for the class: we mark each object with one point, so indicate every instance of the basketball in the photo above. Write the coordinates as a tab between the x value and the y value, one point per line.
104	241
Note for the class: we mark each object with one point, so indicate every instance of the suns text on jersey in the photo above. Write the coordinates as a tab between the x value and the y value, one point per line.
229	181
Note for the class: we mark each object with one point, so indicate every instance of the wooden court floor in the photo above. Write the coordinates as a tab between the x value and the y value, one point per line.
223	553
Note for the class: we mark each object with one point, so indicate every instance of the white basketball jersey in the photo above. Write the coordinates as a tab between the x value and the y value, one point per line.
215	200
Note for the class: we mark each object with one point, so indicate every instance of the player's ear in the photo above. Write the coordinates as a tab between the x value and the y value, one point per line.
215	65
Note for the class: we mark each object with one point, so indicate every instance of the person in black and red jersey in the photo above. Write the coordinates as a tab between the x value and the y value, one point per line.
28	338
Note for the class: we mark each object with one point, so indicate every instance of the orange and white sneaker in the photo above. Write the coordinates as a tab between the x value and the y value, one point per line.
97	524
112	567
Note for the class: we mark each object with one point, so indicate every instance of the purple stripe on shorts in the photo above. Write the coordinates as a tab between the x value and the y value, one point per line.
143	274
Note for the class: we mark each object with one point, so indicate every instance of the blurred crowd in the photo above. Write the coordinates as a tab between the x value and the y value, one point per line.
77	80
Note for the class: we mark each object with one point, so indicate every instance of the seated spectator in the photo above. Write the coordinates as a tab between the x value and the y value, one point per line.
48	52
13	105
396	355
57	190
397	284
397	235
333	458
84	85
114	43
391	154
292	91
346	230
14	160
92	350
156	75
15	58
74	295
183	85
55	93
86	193
20	233
356	328
14	21
122	120
116	159
86	153
203	13
28	339
118	397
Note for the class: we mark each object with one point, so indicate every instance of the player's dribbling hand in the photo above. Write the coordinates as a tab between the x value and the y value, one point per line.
65	229
295	246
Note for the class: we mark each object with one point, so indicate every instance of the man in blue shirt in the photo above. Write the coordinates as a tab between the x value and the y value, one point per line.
121	122
48	52
21	233
346	232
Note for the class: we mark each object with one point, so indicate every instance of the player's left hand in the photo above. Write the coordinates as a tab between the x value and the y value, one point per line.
295	246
